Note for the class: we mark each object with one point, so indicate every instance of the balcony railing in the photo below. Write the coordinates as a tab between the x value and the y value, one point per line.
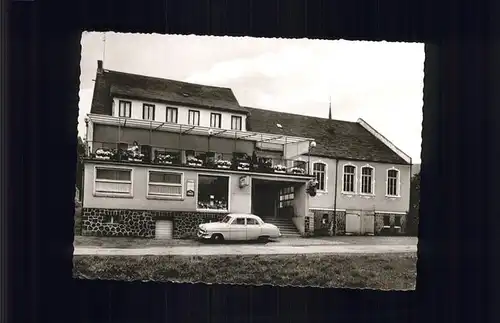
124	152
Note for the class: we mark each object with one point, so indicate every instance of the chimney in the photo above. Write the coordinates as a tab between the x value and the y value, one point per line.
99	67
330	110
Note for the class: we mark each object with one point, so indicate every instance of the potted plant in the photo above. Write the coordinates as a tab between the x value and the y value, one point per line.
279	168
164	158
243	165
297	171
221	163
193	161
103	153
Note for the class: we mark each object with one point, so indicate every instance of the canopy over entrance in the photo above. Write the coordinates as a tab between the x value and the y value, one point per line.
292	146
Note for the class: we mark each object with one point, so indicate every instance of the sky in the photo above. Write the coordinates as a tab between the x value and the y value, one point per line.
381	82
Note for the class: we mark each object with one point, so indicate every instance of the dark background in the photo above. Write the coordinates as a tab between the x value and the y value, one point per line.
40	72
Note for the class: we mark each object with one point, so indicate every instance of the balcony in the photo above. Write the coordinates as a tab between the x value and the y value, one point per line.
237	161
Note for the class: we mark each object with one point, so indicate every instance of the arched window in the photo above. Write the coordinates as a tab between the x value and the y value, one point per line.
367	180
392	182
349	179
319	171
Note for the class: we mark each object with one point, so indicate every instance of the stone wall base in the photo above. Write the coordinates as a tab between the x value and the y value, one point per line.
142	223
333	226
379	224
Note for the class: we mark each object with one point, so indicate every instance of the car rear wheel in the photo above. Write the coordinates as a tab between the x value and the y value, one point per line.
263	239
217	237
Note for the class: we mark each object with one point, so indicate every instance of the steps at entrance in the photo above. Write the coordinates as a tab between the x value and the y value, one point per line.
286	226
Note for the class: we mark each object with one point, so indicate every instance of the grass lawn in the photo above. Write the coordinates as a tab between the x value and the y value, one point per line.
378	271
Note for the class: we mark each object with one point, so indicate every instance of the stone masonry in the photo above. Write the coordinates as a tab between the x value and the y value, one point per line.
325	229
379	222
142	223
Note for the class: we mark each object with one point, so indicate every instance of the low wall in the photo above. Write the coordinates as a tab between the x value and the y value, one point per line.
142	223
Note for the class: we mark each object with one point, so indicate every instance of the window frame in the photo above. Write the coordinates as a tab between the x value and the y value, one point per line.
240	118
397	185
148	105
126	102
325	171
113	194
372	176
354	179
196	112
176	114
216	114
156	196
228	193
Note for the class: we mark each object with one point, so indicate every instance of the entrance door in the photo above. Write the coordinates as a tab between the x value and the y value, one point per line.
264	200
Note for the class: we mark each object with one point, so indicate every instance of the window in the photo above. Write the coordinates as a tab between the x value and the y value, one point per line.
238	221
236	122
172	115
213	192
165	184
392	182
251	221
349	177
113	181
387	221
124	109
194	117
319	171
397	221
367	180
148	111
215	120
287	196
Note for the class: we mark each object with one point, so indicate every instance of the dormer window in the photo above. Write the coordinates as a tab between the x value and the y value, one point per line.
215	120
236	122
194	117
148	111
124	109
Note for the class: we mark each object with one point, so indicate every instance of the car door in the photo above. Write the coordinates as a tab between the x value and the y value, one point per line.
237	229
253	229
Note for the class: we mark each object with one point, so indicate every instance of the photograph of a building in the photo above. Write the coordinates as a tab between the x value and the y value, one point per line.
164	156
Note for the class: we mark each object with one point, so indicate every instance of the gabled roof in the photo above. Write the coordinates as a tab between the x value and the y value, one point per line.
132	86
334	138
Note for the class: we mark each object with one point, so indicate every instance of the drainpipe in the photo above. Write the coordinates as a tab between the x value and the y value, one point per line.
335	196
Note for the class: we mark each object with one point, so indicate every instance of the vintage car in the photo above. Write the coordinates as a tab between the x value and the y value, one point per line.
236	226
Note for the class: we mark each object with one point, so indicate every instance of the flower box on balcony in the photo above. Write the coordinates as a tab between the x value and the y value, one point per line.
137	157
224	164
164	159
297	171
195	162
279	169
243	166
103	153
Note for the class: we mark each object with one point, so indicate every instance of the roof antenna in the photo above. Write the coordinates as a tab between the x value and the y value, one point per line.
103	47
330	109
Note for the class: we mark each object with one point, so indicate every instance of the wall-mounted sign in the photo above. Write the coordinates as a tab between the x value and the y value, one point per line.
190	187
244	181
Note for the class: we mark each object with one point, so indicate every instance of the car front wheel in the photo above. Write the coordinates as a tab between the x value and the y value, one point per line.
217	237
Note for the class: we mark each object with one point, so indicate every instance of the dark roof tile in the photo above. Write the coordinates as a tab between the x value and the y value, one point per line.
160	90
334	138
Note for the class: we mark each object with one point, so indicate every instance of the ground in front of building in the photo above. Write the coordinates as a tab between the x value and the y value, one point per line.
135	243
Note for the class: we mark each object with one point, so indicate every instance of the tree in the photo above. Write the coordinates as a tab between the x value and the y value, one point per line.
414	213
79	165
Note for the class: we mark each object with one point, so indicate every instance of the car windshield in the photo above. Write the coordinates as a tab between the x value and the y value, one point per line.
226	219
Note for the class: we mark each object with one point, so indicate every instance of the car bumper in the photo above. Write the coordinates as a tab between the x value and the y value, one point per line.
203	235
